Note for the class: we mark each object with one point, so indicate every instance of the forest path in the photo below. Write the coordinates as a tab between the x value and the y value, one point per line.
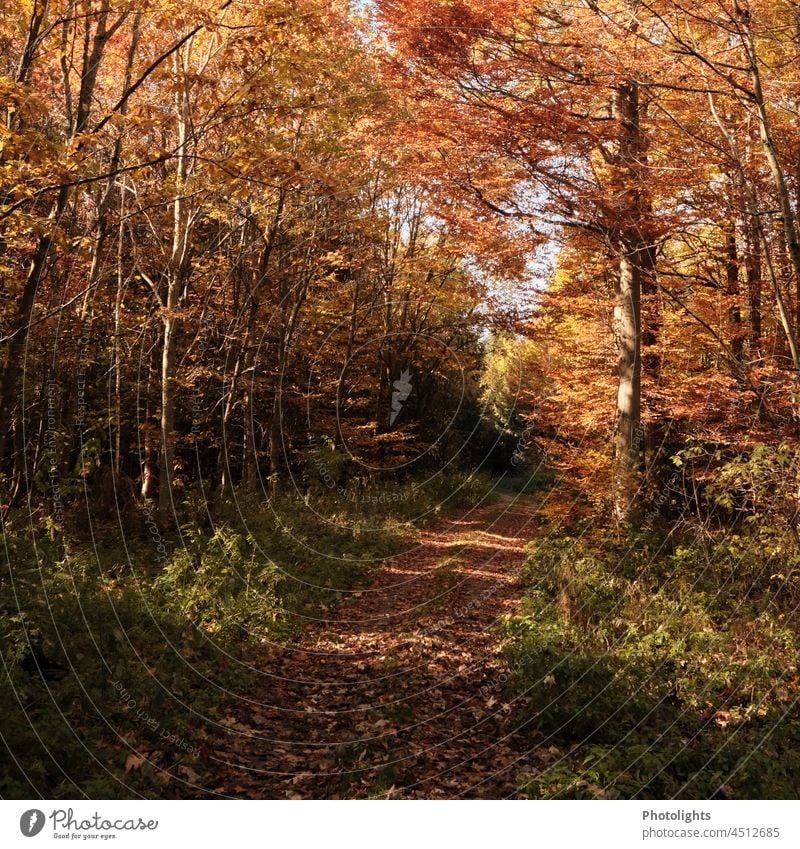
401	693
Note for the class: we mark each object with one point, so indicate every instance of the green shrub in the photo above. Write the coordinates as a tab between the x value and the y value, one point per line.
659	668
120	647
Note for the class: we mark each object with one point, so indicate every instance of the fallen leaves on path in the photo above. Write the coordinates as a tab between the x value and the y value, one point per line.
402	693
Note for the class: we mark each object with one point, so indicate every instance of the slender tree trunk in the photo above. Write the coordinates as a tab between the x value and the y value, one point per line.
771	155
275	440
167	419
797	279
12	370
732	289
244	357
290	318
249	455
627	309
37	17
176	280
150	451
117	362
628	440
788	221
753	273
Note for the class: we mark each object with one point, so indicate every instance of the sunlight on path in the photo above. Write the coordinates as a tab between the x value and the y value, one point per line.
402	693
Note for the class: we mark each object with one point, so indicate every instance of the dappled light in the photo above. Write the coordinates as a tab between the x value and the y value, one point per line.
399	400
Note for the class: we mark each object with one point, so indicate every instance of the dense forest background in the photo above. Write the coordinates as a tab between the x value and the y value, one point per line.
286	284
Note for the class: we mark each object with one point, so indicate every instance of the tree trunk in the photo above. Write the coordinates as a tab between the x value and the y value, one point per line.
12	370
753	273
628	439
275	441
787	212
167	420
732	287
176	281
627	309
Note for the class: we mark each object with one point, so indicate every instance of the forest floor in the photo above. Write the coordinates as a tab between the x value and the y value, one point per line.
401	692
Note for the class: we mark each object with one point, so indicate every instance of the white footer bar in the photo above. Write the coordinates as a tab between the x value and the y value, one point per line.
401	824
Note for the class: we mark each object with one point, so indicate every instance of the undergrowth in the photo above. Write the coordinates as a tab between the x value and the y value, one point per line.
118	648
663	663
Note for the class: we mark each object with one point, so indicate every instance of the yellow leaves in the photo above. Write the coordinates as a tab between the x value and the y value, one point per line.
335	258
27	146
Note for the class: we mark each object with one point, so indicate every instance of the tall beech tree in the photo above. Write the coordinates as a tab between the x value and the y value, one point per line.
547	108
626	121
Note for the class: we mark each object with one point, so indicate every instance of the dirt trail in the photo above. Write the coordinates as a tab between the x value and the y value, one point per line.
402	694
